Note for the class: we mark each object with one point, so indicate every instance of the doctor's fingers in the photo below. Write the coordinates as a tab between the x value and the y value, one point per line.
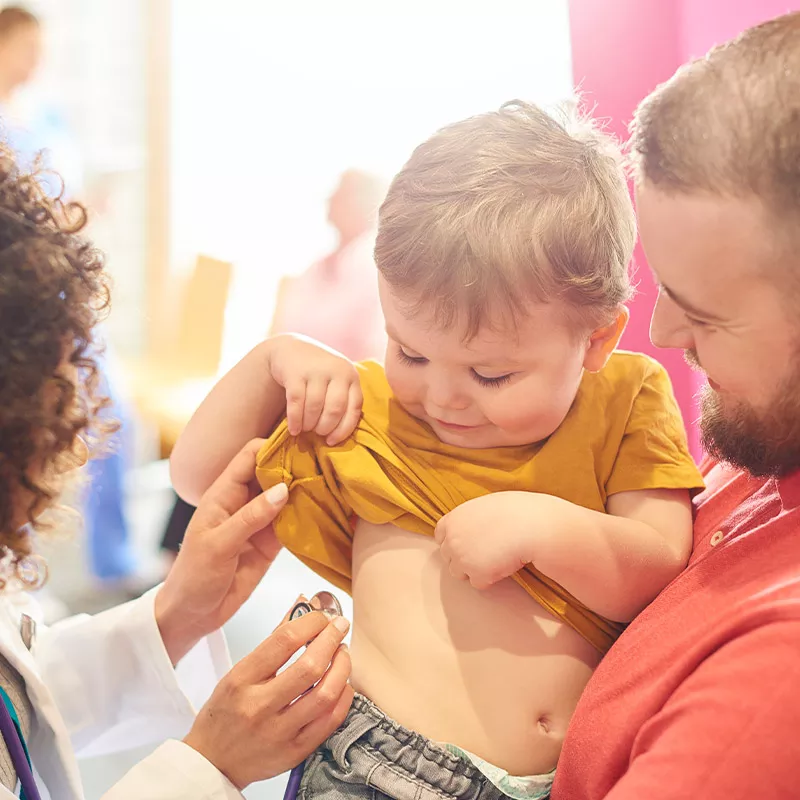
312	666
273	653
323	698
235	532
229	492
318	731
301	598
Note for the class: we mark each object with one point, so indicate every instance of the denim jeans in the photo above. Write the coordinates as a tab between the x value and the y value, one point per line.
373	758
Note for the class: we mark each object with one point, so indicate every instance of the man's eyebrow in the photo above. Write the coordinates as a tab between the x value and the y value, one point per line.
688	306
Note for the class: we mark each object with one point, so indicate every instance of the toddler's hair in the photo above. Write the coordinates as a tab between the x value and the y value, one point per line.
505	208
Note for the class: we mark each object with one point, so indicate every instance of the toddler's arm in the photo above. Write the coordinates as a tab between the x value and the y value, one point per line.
318	389
615	563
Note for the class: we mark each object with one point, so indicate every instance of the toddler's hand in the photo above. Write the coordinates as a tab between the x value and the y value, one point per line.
323	393
489	538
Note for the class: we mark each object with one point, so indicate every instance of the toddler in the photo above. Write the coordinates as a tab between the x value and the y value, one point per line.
505	493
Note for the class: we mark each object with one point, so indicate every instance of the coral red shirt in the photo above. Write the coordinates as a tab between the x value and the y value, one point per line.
700	697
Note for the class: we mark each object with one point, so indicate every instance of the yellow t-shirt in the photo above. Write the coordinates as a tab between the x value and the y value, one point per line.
623	432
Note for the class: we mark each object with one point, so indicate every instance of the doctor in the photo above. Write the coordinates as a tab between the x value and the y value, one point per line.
137	673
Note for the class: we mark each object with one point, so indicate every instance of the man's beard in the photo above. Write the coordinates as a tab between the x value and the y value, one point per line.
765	443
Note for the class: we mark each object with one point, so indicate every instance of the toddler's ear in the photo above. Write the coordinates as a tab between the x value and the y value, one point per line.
604	341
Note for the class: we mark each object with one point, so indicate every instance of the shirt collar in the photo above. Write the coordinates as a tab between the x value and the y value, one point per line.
789	489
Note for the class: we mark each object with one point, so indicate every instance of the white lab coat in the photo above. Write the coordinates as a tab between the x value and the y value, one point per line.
104	683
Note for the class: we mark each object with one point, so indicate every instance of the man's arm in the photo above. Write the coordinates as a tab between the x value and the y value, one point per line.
729	731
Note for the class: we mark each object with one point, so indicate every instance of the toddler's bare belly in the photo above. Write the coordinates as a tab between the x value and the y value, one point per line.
490	671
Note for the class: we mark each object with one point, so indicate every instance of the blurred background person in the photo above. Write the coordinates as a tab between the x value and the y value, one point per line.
35	130
335	300
33	127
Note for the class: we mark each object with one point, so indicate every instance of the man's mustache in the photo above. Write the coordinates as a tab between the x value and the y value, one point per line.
690	357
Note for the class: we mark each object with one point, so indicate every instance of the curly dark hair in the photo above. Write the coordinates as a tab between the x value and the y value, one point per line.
53	291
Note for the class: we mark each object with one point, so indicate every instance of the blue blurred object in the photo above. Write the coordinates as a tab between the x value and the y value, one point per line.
111	554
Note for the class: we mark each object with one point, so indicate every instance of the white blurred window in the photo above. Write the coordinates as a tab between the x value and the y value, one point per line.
271	101
93	75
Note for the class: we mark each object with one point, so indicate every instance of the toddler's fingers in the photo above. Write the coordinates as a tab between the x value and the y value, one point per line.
336	401
295	406
458	574
316	389
355	401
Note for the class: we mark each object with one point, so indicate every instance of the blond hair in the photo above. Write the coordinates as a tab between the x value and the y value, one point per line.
505	208
729	123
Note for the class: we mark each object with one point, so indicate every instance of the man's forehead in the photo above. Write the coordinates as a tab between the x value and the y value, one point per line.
701	245
704	224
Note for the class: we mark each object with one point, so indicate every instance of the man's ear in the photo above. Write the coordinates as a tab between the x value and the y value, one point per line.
604	341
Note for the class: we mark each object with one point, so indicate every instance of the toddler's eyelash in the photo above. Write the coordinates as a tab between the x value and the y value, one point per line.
410	360
417	361
500	380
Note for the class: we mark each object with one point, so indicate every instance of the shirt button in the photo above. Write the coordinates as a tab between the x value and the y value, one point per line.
717	538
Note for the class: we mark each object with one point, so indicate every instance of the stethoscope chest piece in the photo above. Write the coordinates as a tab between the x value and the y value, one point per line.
321	601
327	603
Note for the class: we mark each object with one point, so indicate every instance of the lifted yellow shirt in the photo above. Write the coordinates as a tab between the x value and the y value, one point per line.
623	433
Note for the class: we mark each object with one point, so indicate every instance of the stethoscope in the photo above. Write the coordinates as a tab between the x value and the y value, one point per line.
11	731
321	601
12	736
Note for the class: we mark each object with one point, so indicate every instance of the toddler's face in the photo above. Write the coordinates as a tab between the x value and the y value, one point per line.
496	390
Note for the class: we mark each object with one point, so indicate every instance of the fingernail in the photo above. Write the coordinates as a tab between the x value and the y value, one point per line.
277	493
342	624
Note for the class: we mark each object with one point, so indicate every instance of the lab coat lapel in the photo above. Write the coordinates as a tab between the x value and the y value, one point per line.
49	744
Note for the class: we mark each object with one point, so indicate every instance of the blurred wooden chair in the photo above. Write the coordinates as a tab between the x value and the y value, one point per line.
171	380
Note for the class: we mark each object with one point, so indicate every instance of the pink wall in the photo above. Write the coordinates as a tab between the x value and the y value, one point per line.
705	23
620	52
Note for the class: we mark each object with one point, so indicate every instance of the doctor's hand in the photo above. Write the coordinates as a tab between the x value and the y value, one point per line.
259	723
228	547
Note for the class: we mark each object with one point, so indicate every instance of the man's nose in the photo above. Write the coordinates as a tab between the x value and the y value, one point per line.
669	326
